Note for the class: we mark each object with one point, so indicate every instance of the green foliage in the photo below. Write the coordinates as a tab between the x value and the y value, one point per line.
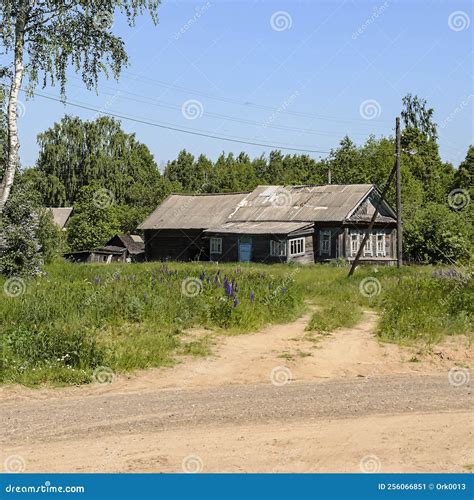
94	220
417	116
55	34
421	308
51	239
76	153
19	246
437	234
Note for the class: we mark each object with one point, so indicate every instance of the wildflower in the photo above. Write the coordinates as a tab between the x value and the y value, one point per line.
235	302
252	297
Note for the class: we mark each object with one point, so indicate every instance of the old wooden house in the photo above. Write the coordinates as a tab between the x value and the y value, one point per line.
305	224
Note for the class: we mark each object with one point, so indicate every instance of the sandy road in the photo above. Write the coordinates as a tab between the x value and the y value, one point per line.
330	425
349	397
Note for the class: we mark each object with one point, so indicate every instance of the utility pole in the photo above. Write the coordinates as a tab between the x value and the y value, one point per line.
395	172
329	175
399	194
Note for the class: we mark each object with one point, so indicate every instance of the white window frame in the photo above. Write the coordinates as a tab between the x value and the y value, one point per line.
296	246
368	248
355	238
278	248
322	241
215	245
381	253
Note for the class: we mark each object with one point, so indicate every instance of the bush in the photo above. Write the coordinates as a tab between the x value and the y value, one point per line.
437	234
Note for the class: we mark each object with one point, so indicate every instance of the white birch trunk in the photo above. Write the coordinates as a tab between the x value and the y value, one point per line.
13	143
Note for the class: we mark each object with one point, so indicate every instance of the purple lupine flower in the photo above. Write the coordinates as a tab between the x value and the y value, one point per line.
235	303
252	297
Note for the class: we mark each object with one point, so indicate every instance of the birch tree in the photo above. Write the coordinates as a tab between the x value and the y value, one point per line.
43	38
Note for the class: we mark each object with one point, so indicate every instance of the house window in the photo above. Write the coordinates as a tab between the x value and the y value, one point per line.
216	245
277	248
296	246
325	242
368	246
380	244
354	244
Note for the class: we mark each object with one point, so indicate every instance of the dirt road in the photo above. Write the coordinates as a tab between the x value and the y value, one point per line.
351	405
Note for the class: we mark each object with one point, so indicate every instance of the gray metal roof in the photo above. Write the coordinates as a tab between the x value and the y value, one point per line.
330	203
259	227
181	211
61	215
277	204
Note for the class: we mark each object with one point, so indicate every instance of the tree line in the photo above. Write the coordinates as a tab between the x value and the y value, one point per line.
78	159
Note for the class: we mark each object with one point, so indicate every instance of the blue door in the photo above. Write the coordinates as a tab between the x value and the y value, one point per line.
245	249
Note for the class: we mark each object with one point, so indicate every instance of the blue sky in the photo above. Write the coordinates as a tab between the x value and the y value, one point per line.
294	73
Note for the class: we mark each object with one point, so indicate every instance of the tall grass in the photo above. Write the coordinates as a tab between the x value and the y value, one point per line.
427	308
79	317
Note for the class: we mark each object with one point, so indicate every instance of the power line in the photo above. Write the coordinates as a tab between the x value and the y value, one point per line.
160	83
240	140
162	104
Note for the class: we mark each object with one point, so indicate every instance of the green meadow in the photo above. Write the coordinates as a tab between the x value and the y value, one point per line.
65	326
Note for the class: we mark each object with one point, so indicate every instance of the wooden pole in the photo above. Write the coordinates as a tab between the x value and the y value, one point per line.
372	221
399	196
